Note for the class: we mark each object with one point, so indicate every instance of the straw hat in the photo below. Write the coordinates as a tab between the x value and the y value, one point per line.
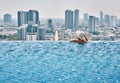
80	34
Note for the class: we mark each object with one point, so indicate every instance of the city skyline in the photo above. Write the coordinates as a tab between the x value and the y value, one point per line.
55	9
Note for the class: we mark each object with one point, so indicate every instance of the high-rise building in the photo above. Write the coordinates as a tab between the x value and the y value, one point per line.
32	29
69	19
31	32
107	20
113	21
76	19
28	23
41	33
91	24
22	32
96	21
101	19
7	18
33	16
50	24
85	18
25	17
22	18
118	22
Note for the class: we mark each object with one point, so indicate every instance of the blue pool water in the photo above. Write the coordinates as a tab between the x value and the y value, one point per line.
59	62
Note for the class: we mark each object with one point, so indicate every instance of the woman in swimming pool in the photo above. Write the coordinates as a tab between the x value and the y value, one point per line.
81	39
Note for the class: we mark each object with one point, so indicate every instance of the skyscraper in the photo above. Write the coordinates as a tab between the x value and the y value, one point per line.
113	21
28	23
41	33
50	24
22	18
91	24
101	19
25	17
107	20
69	19
76	19
7	18
31	32
96	21
85	17
22	32
33	16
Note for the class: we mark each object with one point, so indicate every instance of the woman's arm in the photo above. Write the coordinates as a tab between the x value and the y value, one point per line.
86	38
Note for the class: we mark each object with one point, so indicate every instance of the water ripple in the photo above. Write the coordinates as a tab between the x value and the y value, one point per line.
59	62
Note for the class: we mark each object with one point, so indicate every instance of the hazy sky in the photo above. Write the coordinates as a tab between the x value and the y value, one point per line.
56	8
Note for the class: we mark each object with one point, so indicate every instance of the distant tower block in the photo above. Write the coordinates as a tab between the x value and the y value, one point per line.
91	24
101	19
7	18
76	19
50	24
69	19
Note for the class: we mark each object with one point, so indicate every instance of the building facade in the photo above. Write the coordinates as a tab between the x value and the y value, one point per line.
113	21
107	20
69	19
22	18
91	24
50	23
85	18
31	32
76	19
33	16
22	32
25	17
101	19
7	18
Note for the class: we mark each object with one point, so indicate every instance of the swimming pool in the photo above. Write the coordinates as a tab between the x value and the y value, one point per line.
59	62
